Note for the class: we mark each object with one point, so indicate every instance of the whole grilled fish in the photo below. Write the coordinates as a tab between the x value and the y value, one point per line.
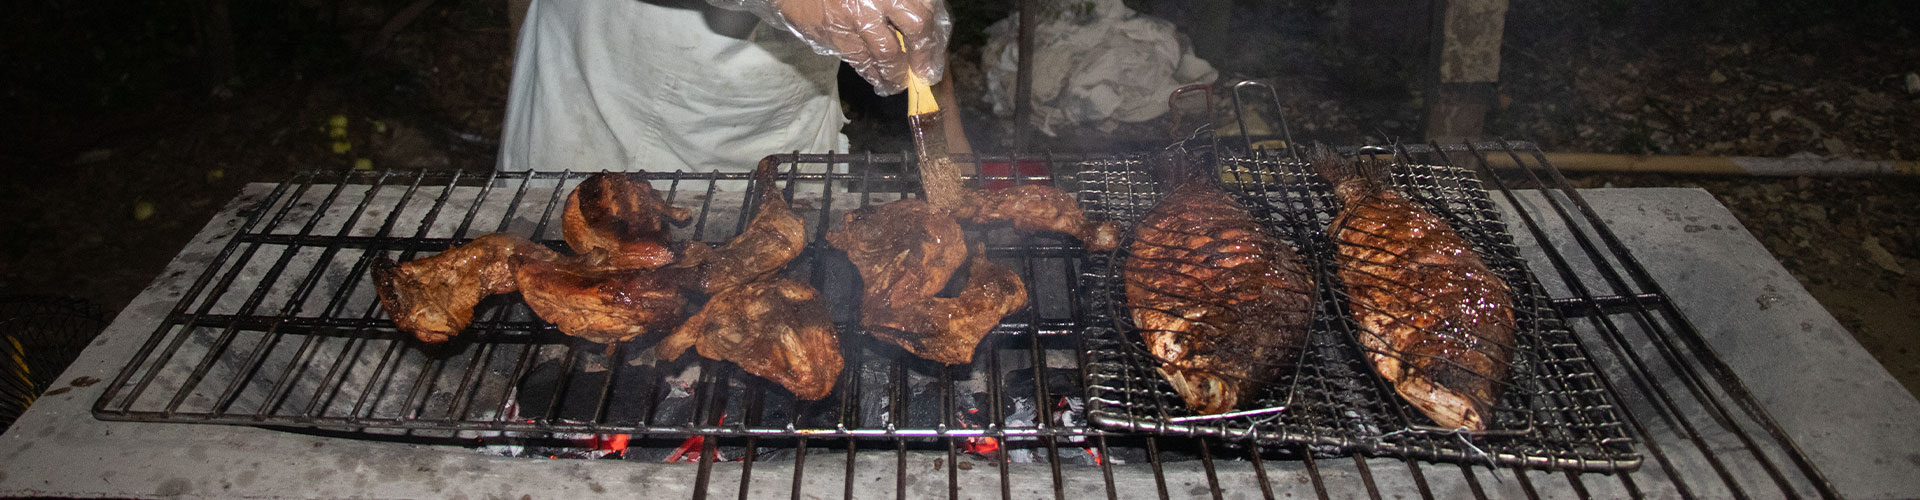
1222	303
1435	322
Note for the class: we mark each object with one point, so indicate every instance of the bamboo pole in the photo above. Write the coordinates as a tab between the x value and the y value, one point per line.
1719	165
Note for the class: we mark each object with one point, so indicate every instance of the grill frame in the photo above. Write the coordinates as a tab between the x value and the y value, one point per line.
1614	314
502	321
1554	416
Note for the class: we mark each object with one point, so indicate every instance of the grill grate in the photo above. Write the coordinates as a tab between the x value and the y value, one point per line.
281	329
284	329
1554	415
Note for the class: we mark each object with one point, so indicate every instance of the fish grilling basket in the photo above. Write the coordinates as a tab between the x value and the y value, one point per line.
1553	414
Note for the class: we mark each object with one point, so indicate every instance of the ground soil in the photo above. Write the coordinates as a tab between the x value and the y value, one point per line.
119	147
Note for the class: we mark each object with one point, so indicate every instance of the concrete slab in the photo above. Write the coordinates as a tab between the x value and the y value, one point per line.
1842	407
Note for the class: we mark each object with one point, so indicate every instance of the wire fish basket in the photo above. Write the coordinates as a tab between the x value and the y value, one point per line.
1553	415
39	336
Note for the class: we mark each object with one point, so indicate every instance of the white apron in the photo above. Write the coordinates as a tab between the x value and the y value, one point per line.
628	85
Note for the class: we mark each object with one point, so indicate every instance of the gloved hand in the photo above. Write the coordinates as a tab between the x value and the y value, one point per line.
861	33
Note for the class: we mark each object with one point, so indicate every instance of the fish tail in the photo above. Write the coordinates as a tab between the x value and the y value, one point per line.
1350	177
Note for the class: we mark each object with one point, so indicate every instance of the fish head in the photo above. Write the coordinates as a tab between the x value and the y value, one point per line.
1205	392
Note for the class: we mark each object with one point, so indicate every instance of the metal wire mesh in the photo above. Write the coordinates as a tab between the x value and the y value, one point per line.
1554	415
281	329
39	336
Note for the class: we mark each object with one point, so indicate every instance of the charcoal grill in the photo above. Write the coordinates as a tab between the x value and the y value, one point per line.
281	329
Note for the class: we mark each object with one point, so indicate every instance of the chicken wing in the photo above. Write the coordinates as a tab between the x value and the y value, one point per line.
773	238
775	328
601	303
622	216
433	297
1039	208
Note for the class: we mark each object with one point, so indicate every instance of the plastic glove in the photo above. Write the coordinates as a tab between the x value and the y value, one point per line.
861	32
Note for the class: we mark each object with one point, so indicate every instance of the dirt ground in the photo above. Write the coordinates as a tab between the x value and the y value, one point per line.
119	148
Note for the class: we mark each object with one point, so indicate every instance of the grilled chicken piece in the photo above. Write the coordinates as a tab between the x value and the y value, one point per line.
1222	303
772	327
775	328
906	252
948	329
1038	207
433	297
600	302
622	216
774	237
1435	322
906	249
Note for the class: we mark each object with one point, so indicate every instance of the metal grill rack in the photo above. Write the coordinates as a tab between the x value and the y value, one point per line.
1553	415
284	330
281	329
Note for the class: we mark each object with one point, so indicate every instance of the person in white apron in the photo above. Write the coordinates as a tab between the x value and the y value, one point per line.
665	85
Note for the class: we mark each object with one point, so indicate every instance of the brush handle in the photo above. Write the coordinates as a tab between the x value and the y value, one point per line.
939	176
919	90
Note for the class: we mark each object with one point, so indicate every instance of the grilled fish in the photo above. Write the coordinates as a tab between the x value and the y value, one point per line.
1222	303
1434	320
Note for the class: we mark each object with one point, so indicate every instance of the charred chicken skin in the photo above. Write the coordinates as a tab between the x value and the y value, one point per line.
433	297
623	217
946	329
616	224
1434	320
600	303
1222	303
772	327
1038	208
906	251
773	238
775	328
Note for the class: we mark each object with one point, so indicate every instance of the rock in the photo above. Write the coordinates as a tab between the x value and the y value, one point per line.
1773	193
1836	147
1880	256
1913	83
1873	101
1662	139
1629	102
1779	115
1810	212
1716	77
